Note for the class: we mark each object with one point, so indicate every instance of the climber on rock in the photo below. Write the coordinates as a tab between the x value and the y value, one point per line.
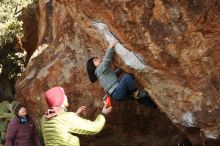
118	89
59	126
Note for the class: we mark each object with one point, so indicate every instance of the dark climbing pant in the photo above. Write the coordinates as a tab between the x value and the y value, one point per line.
124	91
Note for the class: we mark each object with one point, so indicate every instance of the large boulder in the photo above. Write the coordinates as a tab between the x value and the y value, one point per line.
170	46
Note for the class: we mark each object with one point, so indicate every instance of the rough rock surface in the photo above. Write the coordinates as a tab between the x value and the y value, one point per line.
171	47
30	15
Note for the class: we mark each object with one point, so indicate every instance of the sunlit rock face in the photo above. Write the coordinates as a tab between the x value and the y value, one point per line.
171	47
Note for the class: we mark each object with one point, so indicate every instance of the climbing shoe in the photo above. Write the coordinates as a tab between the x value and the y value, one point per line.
140	94
144	98
147	101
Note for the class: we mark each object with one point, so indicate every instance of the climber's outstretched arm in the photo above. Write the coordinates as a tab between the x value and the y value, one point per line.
109	53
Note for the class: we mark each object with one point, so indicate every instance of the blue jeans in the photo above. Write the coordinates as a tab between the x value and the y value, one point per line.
124	89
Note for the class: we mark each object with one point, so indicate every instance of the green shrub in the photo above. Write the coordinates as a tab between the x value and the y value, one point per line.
6	114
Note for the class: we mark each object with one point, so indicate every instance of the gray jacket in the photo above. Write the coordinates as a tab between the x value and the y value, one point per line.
105	74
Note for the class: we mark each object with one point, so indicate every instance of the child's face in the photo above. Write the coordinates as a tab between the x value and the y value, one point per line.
97	61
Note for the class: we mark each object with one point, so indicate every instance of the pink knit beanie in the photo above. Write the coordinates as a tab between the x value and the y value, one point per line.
55	96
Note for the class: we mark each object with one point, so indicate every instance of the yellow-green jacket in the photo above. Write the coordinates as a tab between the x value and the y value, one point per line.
59	131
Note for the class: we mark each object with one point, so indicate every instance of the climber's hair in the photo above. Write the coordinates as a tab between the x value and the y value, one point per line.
91	70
